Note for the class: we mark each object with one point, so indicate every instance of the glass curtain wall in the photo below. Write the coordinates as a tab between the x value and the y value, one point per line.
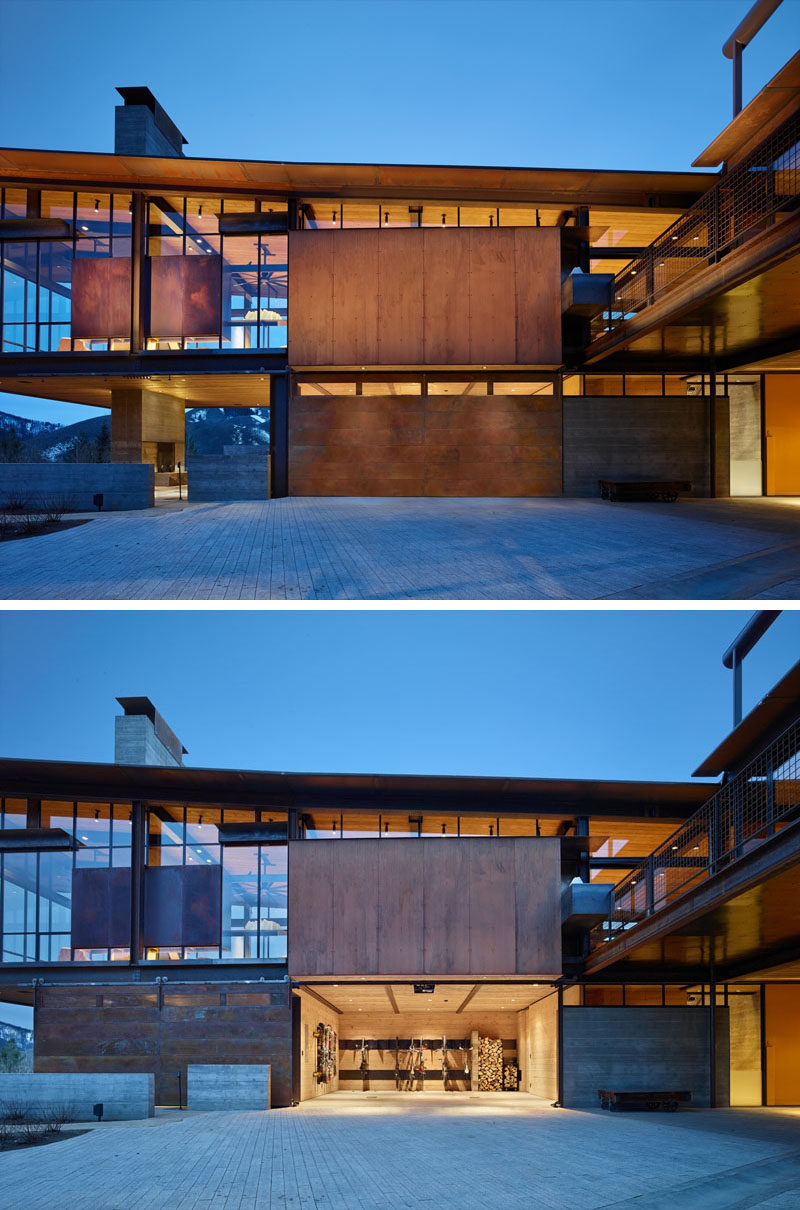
36	888
252	284
36	278
352	825
319	215
254	879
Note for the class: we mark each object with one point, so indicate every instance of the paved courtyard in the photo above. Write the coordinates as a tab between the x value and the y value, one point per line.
307	549
351	1151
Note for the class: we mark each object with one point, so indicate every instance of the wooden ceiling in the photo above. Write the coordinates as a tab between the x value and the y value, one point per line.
198	390
397	999
736	323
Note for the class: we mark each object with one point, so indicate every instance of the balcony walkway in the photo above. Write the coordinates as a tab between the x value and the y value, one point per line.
305	549
350	1151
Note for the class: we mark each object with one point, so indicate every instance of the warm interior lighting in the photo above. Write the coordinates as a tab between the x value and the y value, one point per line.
264	315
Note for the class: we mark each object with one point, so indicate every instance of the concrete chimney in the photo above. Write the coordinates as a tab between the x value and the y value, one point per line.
142	127
141	737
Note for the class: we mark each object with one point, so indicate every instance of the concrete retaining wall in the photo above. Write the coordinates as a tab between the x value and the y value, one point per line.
242	476
228	1086
643	437
124	1096
631	1049
124	485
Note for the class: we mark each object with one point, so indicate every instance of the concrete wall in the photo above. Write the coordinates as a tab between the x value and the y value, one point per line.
124	1096
140	418
123	486
136	743
242	476
647	437
228	1086
629	1049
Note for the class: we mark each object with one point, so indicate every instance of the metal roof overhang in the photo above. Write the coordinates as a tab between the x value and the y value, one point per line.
658	190
237	787
772	105
774	712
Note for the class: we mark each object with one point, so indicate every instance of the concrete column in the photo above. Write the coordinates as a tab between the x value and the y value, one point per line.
140	419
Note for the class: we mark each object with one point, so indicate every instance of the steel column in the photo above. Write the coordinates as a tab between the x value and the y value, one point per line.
138	859
712	434
279	434
137	272
763	1030
560	1048
712	1032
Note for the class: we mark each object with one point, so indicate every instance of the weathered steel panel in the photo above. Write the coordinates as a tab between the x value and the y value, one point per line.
101	298
432	906
201	922
425	297
434	445
163	905
101	908
185	296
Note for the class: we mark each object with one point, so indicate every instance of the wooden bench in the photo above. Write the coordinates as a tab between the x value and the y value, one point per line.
669	1101
643	489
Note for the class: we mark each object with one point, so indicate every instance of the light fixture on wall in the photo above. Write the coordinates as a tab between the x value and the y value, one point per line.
96	205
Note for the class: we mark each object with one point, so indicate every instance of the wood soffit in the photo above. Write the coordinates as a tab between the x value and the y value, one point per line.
571	186
398	999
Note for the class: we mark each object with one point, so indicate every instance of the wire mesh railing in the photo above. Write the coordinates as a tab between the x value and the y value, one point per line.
750	808
750	197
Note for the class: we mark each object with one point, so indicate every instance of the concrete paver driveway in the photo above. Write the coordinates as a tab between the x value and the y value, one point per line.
309	549
350	1151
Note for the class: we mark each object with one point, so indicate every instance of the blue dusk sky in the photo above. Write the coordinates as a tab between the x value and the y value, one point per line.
630	84
532	693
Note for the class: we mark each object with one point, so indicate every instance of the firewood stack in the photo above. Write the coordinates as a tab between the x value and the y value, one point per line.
510	1077
490	1065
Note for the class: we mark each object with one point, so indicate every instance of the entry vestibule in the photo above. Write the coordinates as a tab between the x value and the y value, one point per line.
441	1037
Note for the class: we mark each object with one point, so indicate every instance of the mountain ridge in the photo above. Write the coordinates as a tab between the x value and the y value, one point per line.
208	430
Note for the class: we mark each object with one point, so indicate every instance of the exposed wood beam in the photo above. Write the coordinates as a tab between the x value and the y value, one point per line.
310	992
467	998
392	1000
